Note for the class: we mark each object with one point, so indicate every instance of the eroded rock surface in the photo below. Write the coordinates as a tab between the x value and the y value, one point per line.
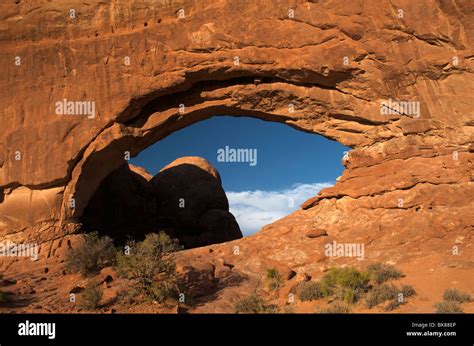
407	190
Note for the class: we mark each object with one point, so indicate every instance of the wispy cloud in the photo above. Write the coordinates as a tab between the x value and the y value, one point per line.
255	209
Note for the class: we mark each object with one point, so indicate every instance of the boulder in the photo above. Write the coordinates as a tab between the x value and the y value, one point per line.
185	199
123	206
191	199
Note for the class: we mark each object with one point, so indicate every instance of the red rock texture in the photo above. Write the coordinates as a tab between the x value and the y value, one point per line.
321	67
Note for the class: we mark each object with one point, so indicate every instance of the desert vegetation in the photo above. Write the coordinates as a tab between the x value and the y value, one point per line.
273	279
4	296
150	266
381	272
452	300
254	304
147	265
348	286
91	296
336	308
89	257
341	288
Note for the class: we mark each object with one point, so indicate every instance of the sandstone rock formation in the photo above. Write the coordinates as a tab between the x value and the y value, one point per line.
185	199
190	198
324	67
123	206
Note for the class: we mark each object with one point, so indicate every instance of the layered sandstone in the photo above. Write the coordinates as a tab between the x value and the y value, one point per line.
321	67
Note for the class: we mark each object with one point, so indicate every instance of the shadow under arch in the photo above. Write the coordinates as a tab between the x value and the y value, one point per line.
298	106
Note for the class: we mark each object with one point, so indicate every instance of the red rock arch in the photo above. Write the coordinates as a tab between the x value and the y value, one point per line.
281	61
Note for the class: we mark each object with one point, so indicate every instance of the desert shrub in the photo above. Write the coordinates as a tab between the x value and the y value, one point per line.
91	296
151	265
454	295
288	309
393	304
347	284
92	255
407	291
165	288
346	277
350	295
380	294
254	304
380	272
310	290
336	308
274	280
385	292
3	297
448	307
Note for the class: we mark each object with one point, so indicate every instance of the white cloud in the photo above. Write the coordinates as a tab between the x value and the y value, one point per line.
255	209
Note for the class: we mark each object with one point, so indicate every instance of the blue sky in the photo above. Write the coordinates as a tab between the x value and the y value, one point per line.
291	165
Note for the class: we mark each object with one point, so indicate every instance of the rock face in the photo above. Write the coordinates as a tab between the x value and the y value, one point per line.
185	199
191	199
123	206
339	69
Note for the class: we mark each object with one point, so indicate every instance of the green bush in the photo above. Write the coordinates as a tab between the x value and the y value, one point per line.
273	279
91	256
448	307
91	296
380	272
350	295
453	295
151	265
336	308
348	284
351	285
254	305
346	277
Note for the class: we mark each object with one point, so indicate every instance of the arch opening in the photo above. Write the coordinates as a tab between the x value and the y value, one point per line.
220	197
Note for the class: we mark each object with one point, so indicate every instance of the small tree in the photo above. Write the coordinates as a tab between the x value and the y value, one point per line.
91	296
151	265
